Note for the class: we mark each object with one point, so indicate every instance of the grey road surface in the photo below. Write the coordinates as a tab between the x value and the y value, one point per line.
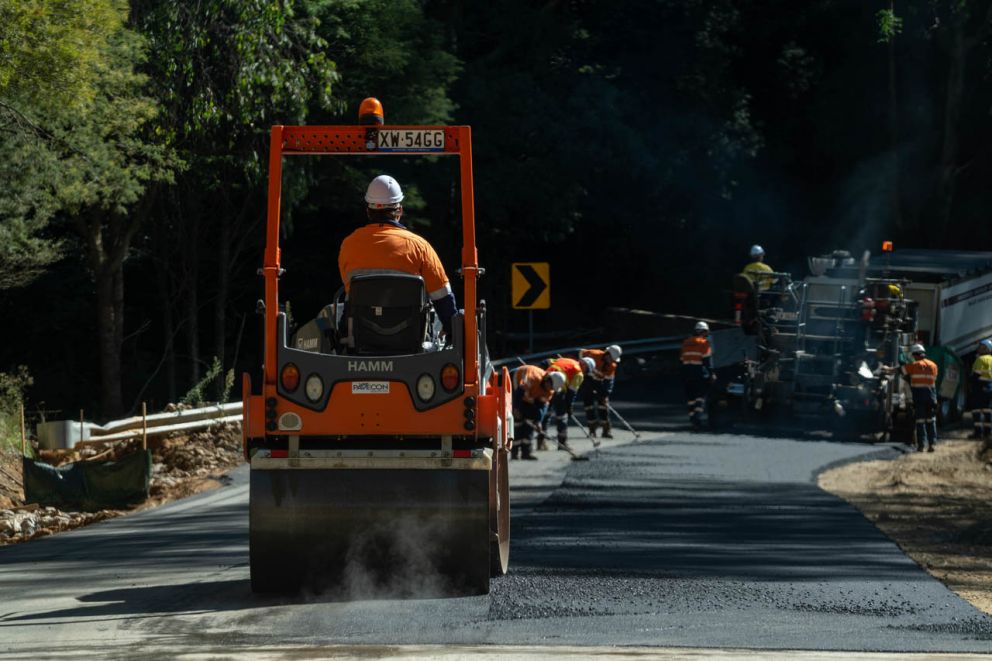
684	540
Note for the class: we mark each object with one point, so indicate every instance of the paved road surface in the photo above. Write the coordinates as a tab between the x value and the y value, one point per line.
679	540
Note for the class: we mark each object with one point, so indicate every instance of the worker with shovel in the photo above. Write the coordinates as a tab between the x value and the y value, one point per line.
533	390
598	387
575	372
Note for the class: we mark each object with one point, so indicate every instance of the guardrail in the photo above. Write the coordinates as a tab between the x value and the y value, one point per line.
630	347
204	417
72	433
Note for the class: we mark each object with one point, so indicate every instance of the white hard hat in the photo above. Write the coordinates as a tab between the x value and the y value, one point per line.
384	192
588	364
987	344
917	348
757	251
615	352
557	380
702	326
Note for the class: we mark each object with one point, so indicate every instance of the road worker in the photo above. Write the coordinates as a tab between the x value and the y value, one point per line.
384	244
598	387
575	372
697	372
922	375
533	389
757	267
981	391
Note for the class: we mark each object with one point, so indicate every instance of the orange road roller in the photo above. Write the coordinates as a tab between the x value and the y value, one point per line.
378	458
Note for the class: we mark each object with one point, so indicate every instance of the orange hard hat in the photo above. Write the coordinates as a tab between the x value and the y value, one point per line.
370	111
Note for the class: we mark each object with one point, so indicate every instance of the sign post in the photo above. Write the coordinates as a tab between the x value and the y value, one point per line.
531	290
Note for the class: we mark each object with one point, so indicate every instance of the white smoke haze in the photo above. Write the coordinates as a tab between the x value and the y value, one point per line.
390	560
403	561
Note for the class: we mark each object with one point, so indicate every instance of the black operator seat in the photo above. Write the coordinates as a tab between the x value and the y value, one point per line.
387	314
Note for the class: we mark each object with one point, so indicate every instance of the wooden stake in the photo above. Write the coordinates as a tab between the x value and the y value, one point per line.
144	426
24	436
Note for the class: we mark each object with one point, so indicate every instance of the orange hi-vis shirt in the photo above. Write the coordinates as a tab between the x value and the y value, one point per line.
605	368
922	373
572	369
530	378
379	247
694	350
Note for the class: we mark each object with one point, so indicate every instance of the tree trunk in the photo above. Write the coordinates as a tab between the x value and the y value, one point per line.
109	308
192	300
169	332
895	205
957	59
220	304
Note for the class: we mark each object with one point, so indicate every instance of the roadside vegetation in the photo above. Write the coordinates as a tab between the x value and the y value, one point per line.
12	387
639	149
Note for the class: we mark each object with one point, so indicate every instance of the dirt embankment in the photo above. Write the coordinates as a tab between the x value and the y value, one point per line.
937	507
182	465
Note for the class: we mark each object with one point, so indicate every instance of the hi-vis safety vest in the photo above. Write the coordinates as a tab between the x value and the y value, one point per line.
695	350
605	368
755	272
379	247
572	370
922	373
982	367
530	378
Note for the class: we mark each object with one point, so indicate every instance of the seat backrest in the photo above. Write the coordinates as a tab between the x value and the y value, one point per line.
387	313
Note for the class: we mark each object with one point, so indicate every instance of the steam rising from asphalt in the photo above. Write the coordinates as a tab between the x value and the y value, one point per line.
398	559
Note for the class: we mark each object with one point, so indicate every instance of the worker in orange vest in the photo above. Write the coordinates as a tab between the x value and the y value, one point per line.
922	375
385	244
598	387
696	357
533	389
575	372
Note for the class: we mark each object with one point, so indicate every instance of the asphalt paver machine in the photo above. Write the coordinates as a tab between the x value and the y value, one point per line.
823	342
383	460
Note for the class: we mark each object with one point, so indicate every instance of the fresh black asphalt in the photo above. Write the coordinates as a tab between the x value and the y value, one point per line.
681	539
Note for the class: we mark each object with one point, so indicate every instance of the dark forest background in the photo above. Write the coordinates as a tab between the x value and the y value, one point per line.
640	147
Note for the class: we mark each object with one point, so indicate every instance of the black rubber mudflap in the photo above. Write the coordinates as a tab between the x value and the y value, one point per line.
360	534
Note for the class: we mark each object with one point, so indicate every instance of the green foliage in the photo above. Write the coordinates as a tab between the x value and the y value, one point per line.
83	157
51	52
390	49
889	25
197	394
12	387
224	71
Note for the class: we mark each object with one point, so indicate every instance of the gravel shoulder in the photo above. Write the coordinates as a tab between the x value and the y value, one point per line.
936	507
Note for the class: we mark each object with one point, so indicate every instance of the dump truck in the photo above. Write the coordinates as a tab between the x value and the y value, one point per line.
953	293
378	453
823	341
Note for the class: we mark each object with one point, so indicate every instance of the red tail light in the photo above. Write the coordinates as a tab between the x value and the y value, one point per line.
450	377
290	377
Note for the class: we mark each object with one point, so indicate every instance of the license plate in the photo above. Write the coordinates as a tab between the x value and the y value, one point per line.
735	389
370	387
410	140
